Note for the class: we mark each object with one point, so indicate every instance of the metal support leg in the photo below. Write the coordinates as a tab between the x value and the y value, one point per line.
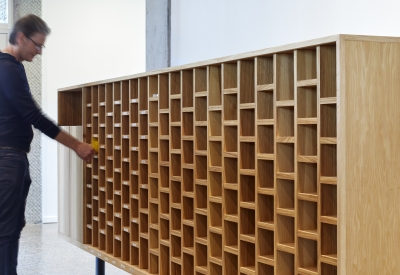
100	267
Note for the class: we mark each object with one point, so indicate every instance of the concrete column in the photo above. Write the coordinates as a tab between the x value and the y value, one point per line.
158	34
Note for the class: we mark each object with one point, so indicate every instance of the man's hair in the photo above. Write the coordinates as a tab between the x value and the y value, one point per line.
29	25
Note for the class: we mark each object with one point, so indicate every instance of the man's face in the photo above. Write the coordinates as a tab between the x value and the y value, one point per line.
31	46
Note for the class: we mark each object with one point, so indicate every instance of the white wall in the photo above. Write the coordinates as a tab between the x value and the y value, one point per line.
202	30
91	40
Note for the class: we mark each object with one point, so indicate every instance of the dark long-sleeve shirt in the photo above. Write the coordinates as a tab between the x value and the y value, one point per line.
18	110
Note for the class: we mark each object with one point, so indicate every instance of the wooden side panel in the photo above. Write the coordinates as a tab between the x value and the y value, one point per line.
70	108
369	145
70	190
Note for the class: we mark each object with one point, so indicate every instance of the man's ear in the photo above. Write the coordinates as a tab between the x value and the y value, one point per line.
19	38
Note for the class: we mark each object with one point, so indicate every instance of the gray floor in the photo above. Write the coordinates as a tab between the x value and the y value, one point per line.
41	252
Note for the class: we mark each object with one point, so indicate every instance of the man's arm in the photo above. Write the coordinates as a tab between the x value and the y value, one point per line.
83	150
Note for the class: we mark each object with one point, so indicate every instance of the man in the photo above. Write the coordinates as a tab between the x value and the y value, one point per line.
18	112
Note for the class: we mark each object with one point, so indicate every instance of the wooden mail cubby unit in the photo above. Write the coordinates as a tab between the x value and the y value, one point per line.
262	163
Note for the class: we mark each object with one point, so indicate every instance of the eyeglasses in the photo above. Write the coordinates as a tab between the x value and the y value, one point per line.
37	46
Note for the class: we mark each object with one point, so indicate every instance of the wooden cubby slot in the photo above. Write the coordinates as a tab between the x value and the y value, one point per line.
265	139
144	223
164	177
247	118
188	152
153	264
328	120
164	124
231	234
215	153
201	255
153	213
264	269
143	94
230	107
247	222
188	264
144	254
306	64
231	139
201	197
201	138
231	202
307	102
164	229
230	72
201	167
248	155
329	240
134	257
328	160
307	140
175	140
176	193
201	226
176	219
285	157
284	76
247	91
187	124
265	244
164	260
215	124
200	108
307	178
188	209
187	87
231	264
216	215
153	239
285	122
163	95
215	86
328	71
285	264
176	165
164	150
176	269
247	189
231	170
265	101
153	165
265	174
248	255
308	255
329	201
175	111
175	83
307	216
265	70
153	188
153	86
327	269
176	246
285	230
164	203
188	180
215	184
266	208
153	137
216	246
215	269
188	237
285	194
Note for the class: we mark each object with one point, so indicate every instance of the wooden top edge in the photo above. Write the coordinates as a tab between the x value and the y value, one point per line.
216	61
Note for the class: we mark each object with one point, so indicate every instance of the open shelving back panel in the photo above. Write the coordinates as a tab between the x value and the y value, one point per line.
227	168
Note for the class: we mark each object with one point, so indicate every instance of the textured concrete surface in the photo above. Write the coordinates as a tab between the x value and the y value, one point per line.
33	70
42	252
158	34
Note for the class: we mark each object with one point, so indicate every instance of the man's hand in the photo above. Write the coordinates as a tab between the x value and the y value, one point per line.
85	151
